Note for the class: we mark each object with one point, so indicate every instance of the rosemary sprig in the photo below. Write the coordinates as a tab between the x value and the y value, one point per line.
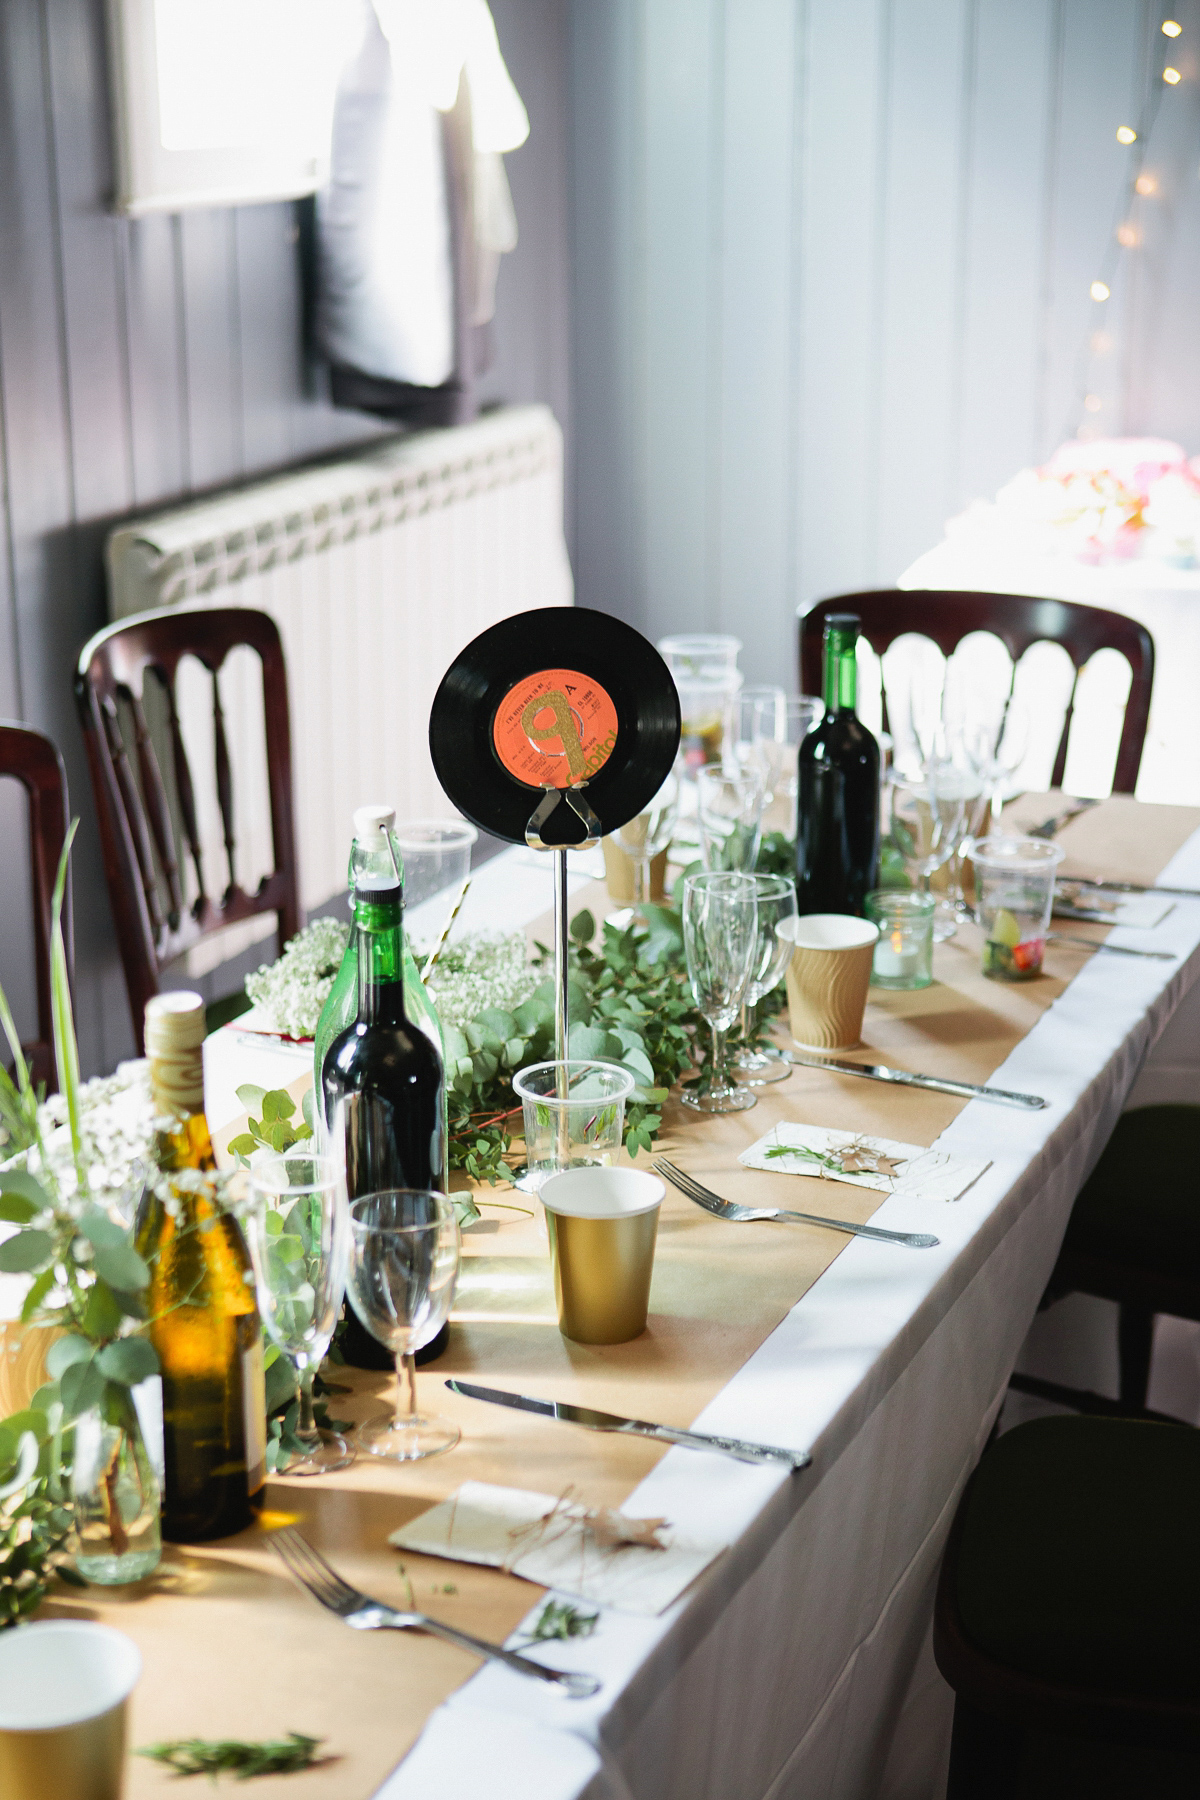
213	1757
559	1619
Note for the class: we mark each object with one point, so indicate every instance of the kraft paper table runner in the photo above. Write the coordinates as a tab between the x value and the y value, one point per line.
232	1648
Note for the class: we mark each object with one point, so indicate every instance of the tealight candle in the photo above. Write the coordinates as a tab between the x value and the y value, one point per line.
904	954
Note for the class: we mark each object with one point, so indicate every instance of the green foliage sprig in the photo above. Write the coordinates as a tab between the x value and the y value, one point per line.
233	1756
559	1619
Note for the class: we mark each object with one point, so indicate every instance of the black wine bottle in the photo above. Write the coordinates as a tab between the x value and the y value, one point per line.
382	1077
837	844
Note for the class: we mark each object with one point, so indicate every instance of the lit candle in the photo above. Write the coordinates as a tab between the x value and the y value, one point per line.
893	958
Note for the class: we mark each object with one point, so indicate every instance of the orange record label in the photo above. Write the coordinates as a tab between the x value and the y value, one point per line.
555	728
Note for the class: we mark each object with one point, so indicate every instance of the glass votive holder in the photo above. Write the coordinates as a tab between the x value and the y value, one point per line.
904	954
1014	897
574	1116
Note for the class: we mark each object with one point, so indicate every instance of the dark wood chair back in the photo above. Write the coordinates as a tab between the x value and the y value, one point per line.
141	860
32	759
1018	620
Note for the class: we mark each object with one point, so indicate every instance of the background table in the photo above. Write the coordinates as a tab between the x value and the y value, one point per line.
801	1665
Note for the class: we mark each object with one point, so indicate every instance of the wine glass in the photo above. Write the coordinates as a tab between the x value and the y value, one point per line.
928	812
988	733
730	805
297	1231
776	901
402	1273
757	714
720	938
779	728
649	834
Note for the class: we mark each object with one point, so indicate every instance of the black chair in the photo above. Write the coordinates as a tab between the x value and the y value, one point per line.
1066	1614
31	758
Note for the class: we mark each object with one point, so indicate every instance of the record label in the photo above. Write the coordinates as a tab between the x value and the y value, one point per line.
555	728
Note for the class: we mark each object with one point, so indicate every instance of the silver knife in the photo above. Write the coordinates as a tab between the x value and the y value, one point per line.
602	1421
1049	827
1069	937
968	1090
1127	887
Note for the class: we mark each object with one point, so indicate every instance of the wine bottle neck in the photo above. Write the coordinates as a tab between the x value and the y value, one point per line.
841	672
380	930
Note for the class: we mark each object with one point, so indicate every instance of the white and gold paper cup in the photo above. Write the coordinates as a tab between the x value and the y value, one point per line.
602	1225
64	1693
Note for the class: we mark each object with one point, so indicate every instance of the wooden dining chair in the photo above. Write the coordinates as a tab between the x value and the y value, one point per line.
1065	1617
1019	621
142	863
31	758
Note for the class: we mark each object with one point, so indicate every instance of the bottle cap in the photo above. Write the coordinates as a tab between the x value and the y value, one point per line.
174	1037
372	822
842	621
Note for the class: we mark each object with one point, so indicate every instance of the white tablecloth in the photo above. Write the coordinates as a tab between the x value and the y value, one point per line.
1165	600
799	1666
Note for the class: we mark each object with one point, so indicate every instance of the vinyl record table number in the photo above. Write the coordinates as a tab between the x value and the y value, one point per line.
554	728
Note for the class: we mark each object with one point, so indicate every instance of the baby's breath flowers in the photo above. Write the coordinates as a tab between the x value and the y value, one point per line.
482	971
292	991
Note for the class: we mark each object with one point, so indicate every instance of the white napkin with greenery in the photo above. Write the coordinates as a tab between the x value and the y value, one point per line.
605	1556
860	1161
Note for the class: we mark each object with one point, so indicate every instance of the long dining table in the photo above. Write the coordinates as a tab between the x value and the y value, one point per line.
799	1663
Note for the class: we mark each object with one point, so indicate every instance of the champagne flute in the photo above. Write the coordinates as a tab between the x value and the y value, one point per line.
730	805
776	901
780	729
988	732
403	1271
297	1232
720	938
757	715
649	834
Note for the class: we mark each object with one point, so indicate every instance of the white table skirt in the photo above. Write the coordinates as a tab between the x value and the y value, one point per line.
800	1665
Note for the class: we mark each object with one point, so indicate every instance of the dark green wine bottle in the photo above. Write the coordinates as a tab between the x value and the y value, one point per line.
837	844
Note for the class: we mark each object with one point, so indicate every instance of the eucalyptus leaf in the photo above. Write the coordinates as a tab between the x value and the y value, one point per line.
102	1232
66	1351
81	1387
277	1104
122	1268
38	1290
250	1094
128	1361
27	1251
20	1182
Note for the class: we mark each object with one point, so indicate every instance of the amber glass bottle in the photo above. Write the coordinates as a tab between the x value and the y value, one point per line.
203	1320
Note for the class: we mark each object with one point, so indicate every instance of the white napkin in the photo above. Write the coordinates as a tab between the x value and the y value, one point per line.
1141	911
507	1528
921	1174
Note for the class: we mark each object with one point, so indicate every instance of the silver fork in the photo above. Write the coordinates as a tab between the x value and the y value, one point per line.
311	1570
729	1209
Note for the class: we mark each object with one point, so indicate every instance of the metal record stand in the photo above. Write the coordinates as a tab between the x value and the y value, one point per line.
552	799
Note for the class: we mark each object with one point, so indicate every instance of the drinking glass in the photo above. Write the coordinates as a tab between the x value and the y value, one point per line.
987	733
776	901
955	784
927	825
780	730
403	1270
705	671
646	836
574	1113
437	855
730	811
297	1230
720	938
758	713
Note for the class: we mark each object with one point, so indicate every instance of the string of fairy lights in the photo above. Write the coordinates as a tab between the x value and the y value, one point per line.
1137	191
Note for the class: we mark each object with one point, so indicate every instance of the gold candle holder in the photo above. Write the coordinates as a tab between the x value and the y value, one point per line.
602	1225
64	1693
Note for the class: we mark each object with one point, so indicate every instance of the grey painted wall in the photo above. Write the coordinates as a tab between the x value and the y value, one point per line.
144	361
832	268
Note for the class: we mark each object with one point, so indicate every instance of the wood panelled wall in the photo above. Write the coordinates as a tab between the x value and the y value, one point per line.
142	361
832	270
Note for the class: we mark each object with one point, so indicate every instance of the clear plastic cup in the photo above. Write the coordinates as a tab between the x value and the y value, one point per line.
437	855
1014	896
574	1116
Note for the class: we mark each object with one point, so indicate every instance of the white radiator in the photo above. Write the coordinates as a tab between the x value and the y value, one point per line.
377	569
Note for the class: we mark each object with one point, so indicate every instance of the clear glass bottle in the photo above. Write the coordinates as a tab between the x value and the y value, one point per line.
203	1321
116	1493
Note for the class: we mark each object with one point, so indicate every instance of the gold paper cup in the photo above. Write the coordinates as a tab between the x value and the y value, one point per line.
602	1225
828	977
64	1692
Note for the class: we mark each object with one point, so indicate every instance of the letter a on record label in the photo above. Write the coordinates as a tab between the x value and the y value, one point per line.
555	728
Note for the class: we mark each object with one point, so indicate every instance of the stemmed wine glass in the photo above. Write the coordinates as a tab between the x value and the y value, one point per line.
298	1234
928	812
402	1275
720	938
779	727
776	901
646	836
988	732
757	712
731	808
